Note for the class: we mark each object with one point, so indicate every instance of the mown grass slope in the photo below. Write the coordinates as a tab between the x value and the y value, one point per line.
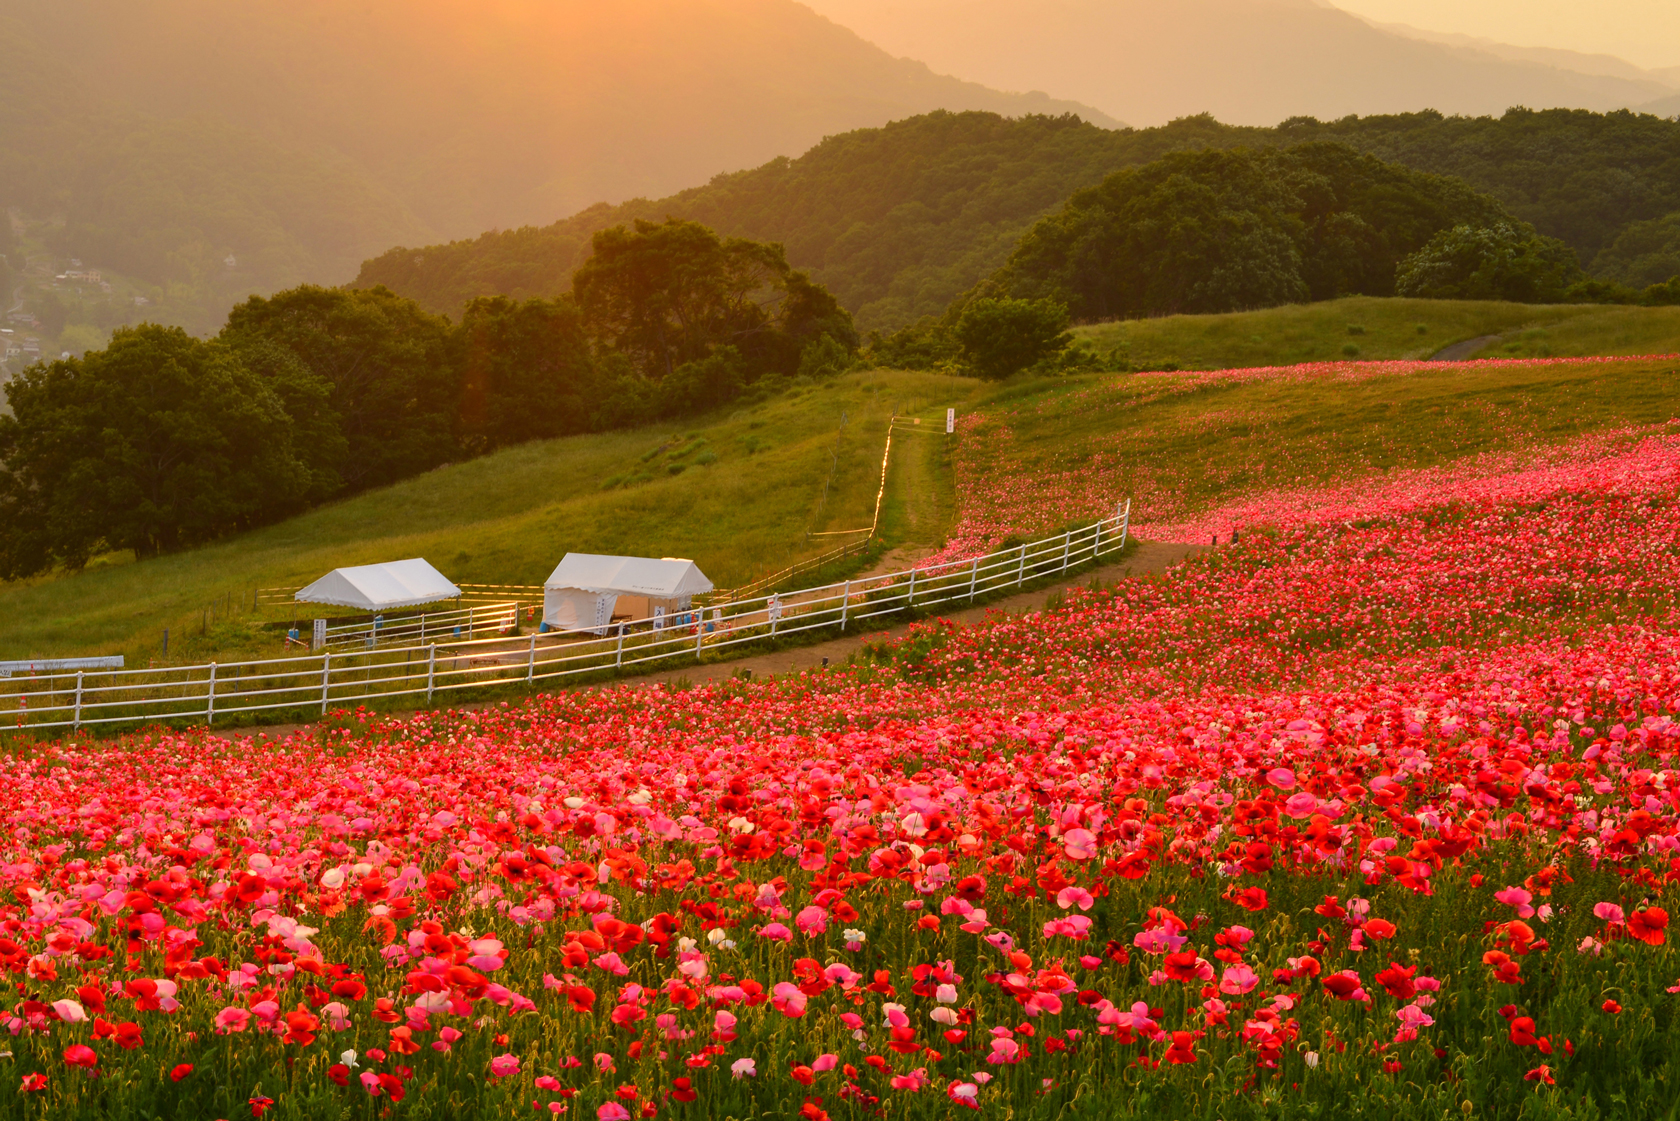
1053	450
1365	327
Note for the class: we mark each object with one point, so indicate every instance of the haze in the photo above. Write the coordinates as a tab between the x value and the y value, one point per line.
1645	32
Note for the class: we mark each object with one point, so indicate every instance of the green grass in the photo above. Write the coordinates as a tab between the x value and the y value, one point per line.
1178	446
742	491
1382	329
749	491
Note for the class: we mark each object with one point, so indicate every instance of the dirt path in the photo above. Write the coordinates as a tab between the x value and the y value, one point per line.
1150	557
1461	352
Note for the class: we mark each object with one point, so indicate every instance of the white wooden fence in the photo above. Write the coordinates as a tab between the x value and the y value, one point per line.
464	624
314	684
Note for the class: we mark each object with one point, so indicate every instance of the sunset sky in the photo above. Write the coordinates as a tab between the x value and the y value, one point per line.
1645	32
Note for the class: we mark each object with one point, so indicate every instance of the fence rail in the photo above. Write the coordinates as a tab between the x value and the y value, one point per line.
317	682
465	623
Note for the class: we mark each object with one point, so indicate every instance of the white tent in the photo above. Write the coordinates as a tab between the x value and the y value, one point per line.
380	587
584	589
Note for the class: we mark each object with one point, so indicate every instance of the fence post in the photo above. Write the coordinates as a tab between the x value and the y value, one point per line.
1021	575
845	604
78	722
973	578
531	662
210	698
618	662
1096	543
469	622
910	601
431	670
326	679
699	630
1067	548
1126	523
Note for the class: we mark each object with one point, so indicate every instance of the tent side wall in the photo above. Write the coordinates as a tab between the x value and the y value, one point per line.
572	609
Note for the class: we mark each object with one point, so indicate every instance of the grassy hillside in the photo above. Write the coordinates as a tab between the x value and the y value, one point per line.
1364	327
1047	452
899	220
738	493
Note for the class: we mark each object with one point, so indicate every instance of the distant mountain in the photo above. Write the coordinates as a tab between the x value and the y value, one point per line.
1244	61
1663	107
898	221
301	136
1602	65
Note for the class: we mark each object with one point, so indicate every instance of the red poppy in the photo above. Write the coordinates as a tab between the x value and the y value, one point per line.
1251	899
260	1105
1648	925
1342	985
1612	1007
1181	966
1183	1049
1522	1032
81	1055
128	1035
180	1072
1380	929
339	1073
1541	1073
1398	981
301	1027
683	1090
33	1082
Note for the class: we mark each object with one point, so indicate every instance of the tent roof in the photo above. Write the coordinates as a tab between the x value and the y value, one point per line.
375	587
667	578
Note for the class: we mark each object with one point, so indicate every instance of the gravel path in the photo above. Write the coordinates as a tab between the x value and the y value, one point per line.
1460	352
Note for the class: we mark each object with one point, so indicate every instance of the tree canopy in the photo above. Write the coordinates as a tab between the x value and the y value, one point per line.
163	440
1221	230
900	221
160	441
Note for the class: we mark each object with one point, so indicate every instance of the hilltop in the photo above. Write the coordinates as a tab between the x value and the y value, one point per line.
898	221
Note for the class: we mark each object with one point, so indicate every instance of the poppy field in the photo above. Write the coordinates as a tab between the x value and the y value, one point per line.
1371	814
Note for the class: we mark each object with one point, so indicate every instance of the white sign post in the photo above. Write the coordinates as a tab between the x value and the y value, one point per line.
950	421
318	640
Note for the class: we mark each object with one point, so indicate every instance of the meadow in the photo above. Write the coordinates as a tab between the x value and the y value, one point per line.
751	489
1368	328
1368	815
738	492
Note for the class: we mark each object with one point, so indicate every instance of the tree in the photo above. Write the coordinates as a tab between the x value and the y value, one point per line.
1644	254
666	295
317	430
395	383
1198	232
1000	337
1503	261
158	442
527	371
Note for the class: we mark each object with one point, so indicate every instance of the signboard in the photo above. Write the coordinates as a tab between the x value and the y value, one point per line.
318	640
950	421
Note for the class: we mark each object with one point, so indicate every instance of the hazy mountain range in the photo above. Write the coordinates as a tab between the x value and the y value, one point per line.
1245	61
169	139
303	136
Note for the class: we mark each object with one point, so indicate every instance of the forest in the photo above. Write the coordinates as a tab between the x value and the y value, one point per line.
900	221
163	440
